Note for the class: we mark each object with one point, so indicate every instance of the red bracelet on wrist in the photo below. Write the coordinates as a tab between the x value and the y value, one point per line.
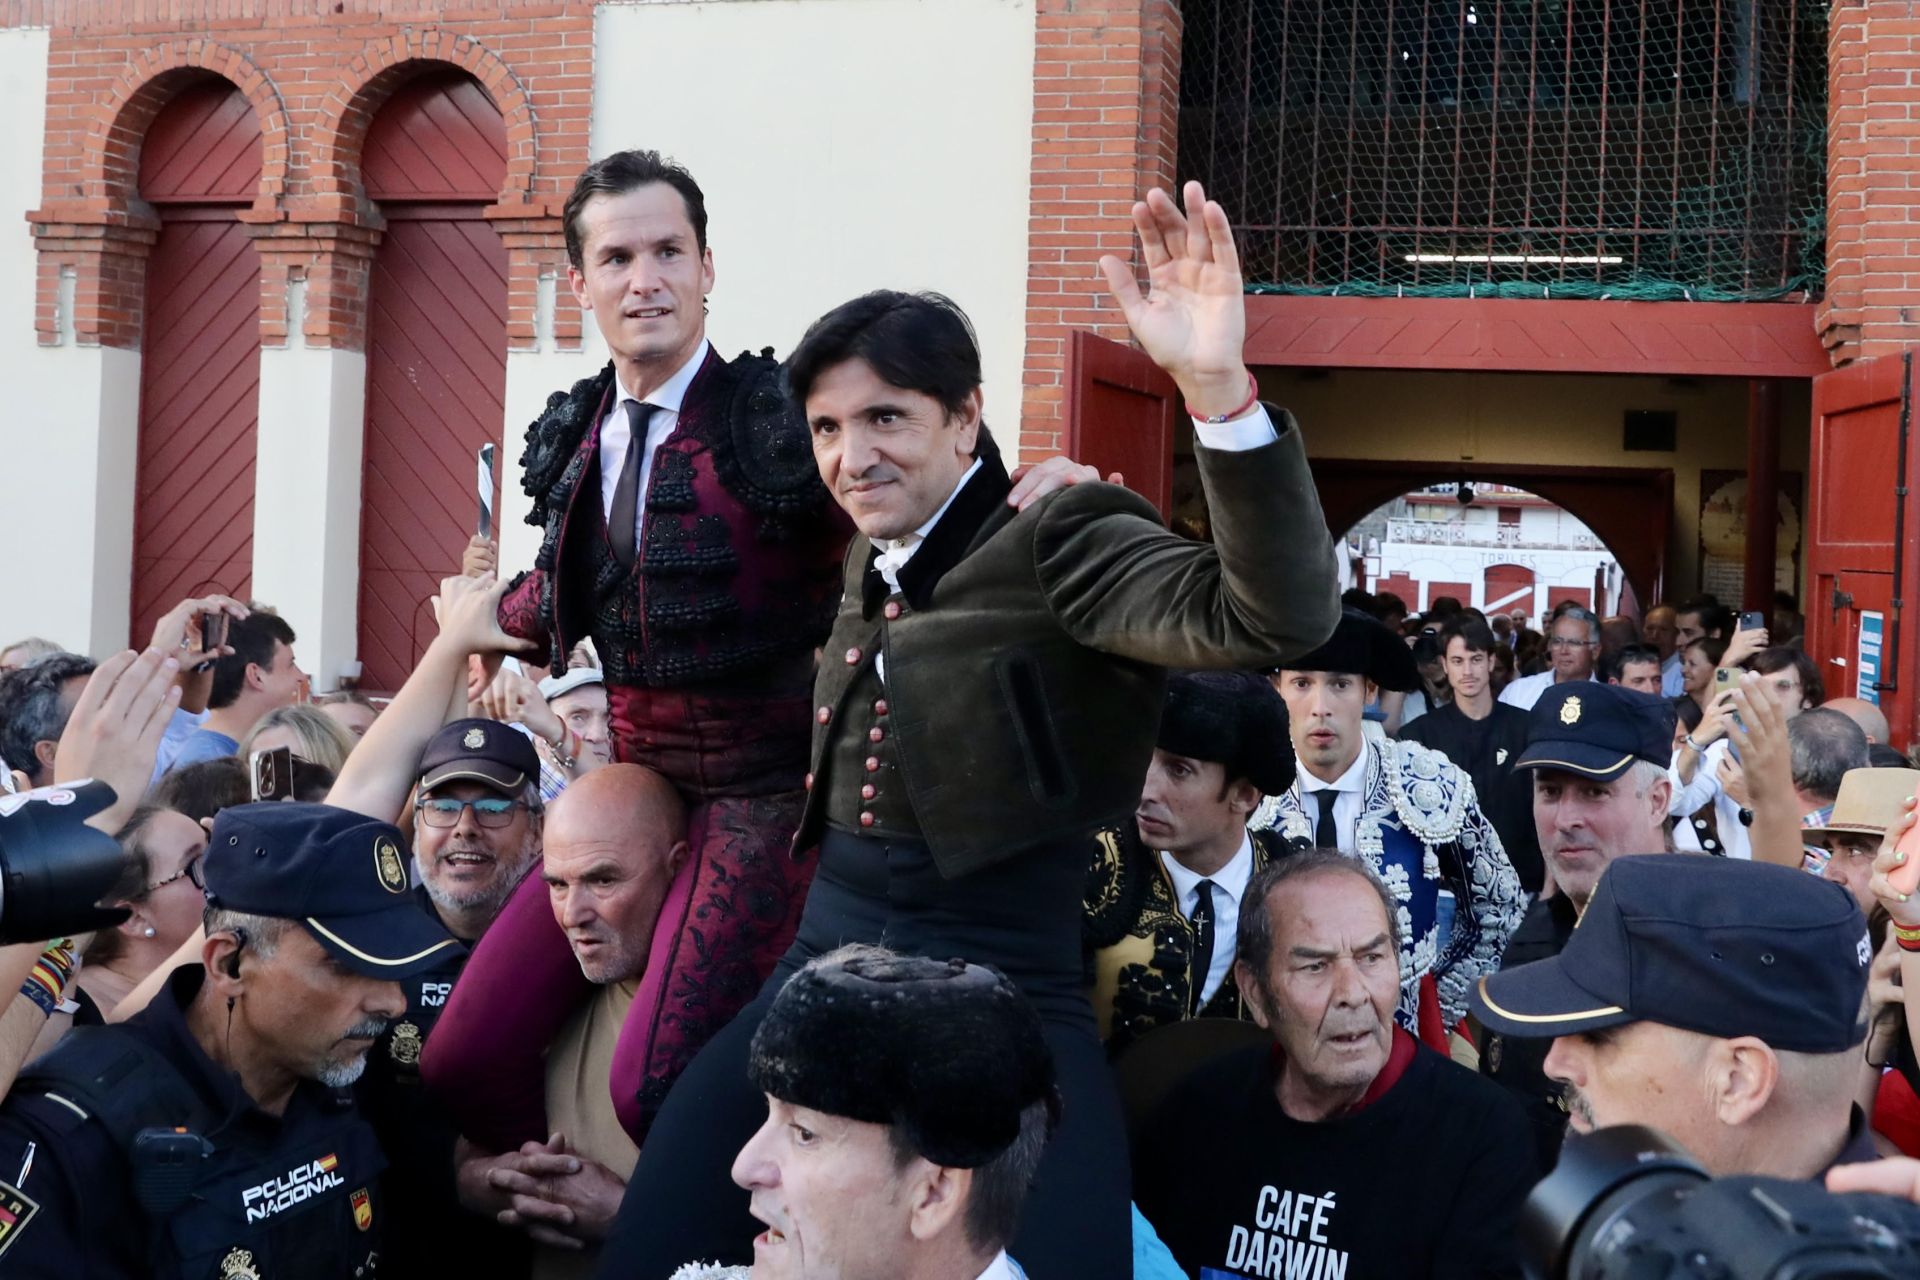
1253	398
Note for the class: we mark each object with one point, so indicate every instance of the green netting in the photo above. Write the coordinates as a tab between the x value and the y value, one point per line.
1649	149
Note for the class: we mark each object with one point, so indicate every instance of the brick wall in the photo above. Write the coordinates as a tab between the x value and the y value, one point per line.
1106	99
316	72
1872	305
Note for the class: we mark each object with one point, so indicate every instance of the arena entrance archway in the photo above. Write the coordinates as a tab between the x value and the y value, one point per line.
1629	509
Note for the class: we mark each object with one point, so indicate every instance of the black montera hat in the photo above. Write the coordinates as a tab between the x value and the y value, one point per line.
1233	718
1362	646
1714	945
949	1052
341	874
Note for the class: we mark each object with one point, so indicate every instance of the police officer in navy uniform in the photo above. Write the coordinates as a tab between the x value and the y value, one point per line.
478	795
213	1136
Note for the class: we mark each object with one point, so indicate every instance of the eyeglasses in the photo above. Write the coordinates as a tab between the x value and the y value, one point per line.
492	812
189	872
1561	642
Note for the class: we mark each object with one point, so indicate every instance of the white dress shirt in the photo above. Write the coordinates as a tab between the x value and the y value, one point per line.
1527	690
895	552
1346	808
616	435
1229	886
1001	1268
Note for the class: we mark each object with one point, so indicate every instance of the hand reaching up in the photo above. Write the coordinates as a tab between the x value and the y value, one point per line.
1192	321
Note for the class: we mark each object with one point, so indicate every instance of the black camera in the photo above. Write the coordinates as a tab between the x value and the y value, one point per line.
54	868
1627	1201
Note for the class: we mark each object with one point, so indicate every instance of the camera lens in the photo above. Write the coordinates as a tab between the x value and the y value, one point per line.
1599	1177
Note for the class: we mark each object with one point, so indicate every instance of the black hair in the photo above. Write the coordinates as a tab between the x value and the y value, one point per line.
916	341
1617	663
1475	632
1444	607
202	790
1386	603
1715	618
625	171
32	708
1779	657
1355	598
252	639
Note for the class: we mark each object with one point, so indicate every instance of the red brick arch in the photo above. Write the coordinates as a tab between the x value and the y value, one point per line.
371	78
110	155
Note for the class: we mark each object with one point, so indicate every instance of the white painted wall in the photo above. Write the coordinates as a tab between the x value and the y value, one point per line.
68	433
306	513
843	145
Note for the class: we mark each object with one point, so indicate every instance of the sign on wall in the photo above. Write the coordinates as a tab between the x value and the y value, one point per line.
1723	534
1867	664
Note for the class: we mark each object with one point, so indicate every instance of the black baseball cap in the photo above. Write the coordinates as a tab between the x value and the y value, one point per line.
339	873
1597	730
1715	945
483	751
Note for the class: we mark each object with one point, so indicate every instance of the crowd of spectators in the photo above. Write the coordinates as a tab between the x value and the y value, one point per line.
521	969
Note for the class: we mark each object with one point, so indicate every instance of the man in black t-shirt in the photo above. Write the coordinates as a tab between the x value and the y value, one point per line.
1346	1147
1484	737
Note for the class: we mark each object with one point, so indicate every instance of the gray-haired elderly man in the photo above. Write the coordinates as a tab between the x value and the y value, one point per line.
1573	643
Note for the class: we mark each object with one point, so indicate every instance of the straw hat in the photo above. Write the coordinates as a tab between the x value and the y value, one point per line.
1869	802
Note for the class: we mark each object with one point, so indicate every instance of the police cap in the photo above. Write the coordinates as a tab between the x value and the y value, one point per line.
339	873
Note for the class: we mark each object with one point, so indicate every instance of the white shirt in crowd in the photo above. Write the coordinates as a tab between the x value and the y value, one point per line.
1673	681
1526	691
1229	886
1703	790
616	434
1346	807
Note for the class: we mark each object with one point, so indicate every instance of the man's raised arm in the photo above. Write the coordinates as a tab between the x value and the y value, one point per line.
1268	586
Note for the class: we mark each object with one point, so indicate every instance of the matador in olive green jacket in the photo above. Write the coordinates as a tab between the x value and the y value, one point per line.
1024	656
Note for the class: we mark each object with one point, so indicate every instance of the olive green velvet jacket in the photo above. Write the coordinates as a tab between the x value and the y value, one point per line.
1026	651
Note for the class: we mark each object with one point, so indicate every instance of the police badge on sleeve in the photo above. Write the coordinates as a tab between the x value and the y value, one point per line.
17	1210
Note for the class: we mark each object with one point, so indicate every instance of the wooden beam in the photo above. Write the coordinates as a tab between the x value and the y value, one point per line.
1672	339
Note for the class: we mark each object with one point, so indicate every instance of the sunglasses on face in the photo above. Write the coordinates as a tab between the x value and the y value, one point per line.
492	812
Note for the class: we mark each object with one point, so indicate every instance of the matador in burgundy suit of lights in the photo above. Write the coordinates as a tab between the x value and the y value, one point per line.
707	640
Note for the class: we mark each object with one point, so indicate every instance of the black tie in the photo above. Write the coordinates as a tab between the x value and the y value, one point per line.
1326	832
1202	921
626	493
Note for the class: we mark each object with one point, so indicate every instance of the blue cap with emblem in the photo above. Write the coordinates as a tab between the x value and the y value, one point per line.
1597	730
341	874
1714	945
483	751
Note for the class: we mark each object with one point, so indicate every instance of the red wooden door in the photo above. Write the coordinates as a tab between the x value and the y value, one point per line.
1861	536
200	356
1120	410
1508	587
1462	592
436	356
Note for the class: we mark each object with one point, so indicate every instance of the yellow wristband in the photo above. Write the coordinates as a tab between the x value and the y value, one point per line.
1905	934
